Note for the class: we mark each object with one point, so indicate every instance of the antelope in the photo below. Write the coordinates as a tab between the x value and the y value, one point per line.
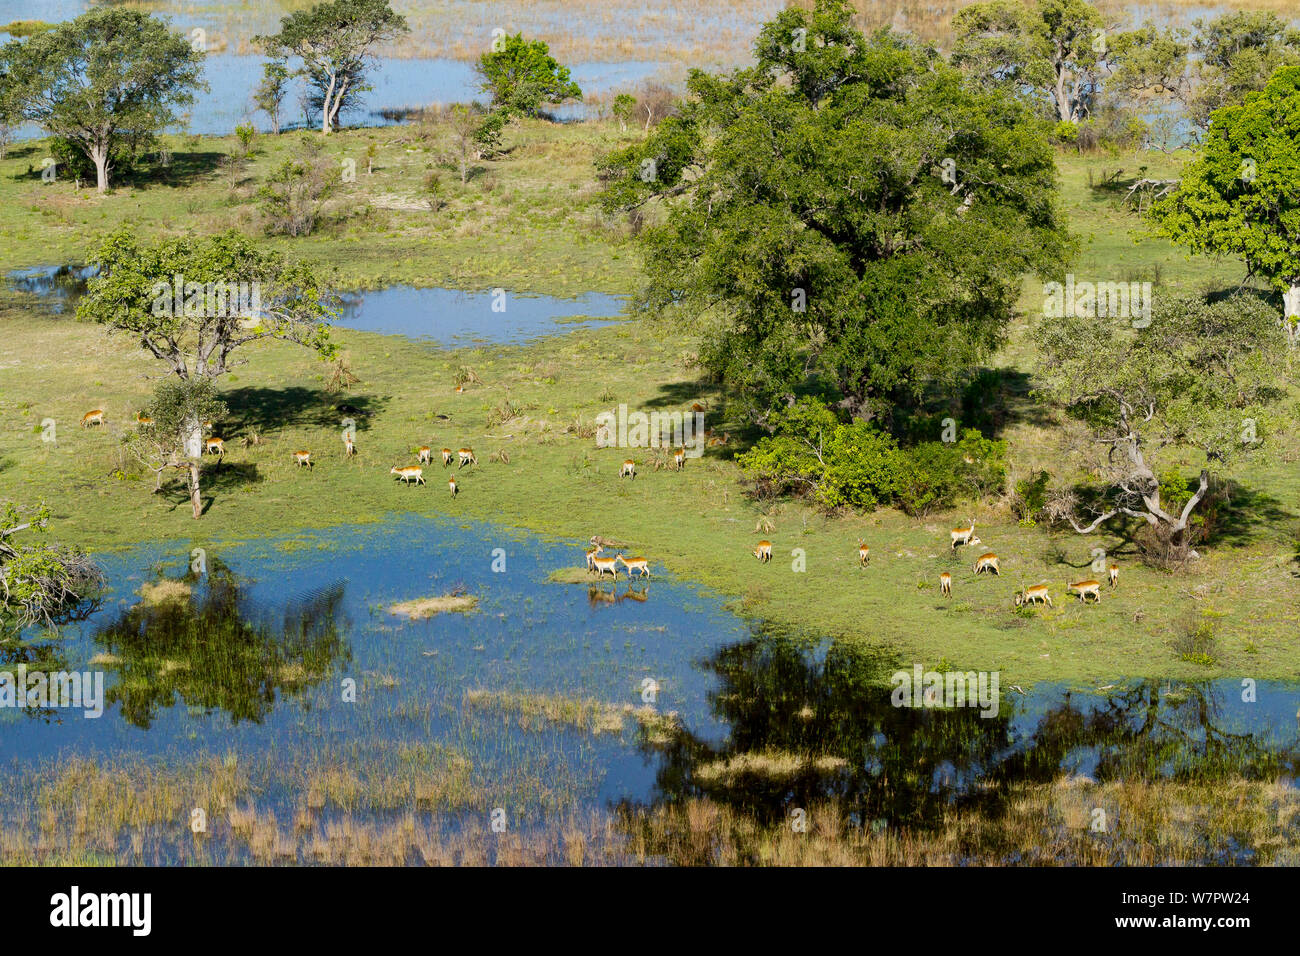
426	455
301	458
1114	574
1085	588
1034	594
591	553
349	446
628	470
142	419
207	425
945	584
95	417
679	459
640	565
460	389
716	440
964	536
453	487
605	564
215	446
408	473
446	457
864	553
698	407
764	551
988	562
466	456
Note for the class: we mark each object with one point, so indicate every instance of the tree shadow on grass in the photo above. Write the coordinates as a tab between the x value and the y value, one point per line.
260	409
218	478
184	170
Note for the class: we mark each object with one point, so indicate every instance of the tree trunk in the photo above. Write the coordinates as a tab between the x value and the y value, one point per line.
99	155
196	501
326	113
1291	313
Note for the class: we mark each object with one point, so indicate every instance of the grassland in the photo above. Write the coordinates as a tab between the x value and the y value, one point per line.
537	229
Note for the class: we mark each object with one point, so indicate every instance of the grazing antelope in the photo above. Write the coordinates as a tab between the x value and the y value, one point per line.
409	473
594	550
864	553
605	564
301	458
426	455
1033	595
142	419
764	551
349	446
628	470
215	446
446	457
1114	574
988	562
964	536
945	584
95	417
466	456
640	565
1085	588
679	459
453	487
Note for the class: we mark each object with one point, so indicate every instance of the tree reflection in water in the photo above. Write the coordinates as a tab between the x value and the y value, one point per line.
217	651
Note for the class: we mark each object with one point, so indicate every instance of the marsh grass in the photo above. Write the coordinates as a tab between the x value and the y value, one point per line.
421	608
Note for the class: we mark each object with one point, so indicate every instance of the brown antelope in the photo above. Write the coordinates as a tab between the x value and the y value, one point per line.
988	562
142	419
864	554
679	459
628	470
640	565
1033	595
207	425
453	487
964	536
446	457
95	417
466	456
1114	574
1085	588
716	440
603	565
426	455
215	446
409	473
698	407
945	584
594	550
301	458
460	389
349	446
764	551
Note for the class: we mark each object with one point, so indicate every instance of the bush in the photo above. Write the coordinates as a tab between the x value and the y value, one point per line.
1030	498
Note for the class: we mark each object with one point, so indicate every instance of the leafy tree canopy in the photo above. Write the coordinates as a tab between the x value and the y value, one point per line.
521	75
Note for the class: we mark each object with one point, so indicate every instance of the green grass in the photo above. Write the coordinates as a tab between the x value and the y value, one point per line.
698	524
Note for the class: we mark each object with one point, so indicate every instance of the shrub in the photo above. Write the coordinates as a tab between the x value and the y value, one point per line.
1030	498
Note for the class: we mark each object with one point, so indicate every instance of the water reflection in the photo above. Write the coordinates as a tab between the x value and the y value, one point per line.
812	722
195	637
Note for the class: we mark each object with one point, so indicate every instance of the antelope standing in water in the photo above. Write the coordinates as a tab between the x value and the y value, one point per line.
987	562
453	487
446	457
409	473
95	417
864	554
1085	588
301	458
426	455
640	565
1033	595
679	459
215	446
628	470
466	456
764	551
945	584
964	536
1114	574
603	565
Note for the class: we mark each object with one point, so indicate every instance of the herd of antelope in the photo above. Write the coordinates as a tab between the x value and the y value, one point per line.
986	563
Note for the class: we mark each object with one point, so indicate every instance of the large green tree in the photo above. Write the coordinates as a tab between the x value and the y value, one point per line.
106	76
521	75
850	208
1199	382
336	42
1241	195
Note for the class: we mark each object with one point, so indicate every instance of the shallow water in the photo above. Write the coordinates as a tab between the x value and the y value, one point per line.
447	317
